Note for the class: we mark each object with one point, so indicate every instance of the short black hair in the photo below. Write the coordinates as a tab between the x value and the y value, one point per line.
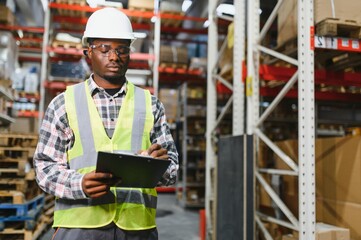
90	41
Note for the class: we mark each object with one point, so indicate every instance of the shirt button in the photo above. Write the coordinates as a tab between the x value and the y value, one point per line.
111	100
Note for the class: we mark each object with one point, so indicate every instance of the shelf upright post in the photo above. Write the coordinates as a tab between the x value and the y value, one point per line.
157	29
252	115
306	121
305	170
238	60
211	119
44	64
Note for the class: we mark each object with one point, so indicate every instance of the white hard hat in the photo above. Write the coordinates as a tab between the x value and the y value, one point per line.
108	23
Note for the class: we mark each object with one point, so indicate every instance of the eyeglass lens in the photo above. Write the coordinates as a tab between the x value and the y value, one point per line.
106	49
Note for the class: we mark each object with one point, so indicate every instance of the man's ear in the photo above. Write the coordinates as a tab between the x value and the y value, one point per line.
88	52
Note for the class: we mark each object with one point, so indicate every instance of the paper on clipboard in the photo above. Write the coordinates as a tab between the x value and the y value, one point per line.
136	171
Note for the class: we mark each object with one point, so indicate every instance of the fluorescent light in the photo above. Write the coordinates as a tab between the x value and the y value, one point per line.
225	9
186	5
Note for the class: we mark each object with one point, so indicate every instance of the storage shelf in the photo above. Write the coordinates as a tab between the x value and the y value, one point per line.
28	114
22	28
338	43
6	93
329	96
6	119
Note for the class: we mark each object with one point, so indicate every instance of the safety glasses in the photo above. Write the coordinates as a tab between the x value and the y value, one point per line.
105	50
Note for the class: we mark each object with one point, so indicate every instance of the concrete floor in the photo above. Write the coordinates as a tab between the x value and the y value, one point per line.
173	221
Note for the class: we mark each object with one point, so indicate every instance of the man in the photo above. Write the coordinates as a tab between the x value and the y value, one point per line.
104	113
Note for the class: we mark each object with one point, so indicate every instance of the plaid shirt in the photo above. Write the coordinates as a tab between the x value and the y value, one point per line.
56	137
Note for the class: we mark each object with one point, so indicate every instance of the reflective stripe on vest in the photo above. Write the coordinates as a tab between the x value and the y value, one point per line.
122	196
129	208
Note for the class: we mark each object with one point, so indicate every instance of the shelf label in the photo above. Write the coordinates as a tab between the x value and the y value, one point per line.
320	42
355	44
345	42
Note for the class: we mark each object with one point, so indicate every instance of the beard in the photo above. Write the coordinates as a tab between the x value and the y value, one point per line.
115	79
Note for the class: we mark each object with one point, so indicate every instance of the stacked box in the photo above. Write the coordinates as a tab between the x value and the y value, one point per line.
141	4
6	15
173	55
169	97
344	10
338	181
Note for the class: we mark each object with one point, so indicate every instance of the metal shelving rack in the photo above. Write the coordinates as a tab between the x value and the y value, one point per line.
236	100
304	76
305	170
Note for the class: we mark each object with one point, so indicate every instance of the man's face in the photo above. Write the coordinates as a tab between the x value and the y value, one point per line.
110	58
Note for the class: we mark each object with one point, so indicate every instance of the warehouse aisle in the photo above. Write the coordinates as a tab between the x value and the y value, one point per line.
173	221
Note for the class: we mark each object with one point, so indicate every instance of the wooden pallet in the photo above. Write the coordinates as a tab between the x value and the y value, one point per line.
172	22
22	234
12	167
18	140
71	13
14	197
17	152
341	28
137	19
66	45
13	184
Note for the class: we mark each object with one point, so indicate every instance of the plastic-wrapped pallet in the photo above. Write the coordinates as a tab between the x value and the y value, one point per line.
68	70
8	54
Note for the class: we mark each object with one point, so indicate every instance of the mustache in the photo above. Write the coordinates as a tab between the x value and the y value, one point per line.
113	65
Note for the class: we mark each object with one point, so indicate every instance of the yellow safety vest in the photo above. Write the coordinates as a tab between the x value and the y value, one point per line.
128	208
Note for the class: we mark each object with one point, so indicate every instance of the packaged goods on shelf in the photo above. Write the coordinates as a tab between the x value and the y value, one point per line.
6	15
141	4
172	55
169	98
8	54
199	64
341	10
31	80
68	70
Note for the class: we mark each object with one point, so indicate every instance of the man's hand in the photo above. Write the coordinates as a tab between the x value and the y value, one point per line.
156	151
97	184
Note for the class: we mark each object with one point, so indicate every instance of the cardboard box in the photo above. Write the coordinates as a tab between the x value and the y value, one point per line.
169	98
338	181
141	4
344	10
338	167
6	16
343	214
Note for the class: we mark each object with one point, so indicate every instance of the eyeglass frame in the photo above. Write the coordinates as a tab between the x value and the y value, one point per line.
107	53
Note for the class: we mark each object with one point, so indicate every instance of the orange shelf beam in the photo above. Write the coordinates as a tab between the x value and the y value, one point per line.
26	29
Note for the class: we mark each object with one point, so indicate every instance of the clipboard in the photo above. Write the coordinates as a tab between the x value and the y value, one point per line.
136	171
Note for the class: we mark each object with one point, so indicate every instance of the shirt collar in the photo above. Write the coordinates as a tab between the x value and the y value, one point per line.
94	88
